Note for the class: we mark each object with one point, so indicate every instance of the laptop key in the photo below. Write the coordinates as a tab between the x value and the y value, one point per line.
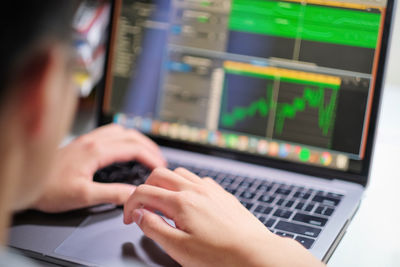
280	202
263	209
282	213
328	211
130	172
325	200
306	242
324	210
227	180
247	195
247	205
262	219
334	195
289	204
299	206
283	191
269	223
303	195
298	229
246	184
266	199
173	166
284	234
204	173
197	171
319	209
212	175
309	207
264	187
230	190
310	219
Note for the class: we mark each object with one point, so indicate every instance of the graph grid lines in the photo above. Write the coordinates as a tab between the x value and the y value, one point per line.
249	108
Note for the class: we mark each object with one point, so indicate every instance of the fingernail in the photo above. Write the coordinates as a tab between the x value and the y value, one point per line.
138	216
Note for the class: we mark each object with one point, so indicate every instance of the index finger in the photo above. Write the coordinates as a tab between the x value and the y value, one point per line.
152	197
188	175
167	179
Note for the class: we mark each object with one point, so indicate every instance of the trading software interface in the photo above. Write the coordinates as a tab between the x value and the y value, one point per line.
291	79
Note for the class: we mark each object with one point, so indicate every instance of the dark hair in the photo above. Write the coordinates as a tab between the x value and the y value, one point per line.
26	23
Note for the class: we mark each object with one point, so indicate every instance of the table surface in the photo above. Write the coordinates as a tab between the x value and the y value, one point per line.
372	238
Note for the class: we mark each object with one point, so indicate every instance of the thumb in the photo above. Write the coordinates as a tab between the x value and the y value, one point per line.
114	193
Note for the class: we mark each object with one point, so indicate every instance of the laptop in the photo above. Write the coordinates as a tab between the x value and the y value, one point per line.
275	100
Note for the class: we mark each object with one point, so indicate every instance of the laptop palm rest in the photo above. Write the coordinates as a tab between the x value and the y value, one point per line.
103	239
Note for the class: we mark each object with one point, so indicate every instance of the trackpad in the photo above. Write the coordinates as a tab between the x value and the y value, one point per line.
103	239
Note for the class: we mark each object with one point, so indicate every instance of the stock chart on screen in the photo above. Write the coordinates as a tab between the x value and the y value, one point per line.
289	79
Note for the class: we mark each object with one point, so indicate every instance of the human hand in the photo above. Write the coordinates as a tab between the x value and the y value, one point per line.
212	227
71	183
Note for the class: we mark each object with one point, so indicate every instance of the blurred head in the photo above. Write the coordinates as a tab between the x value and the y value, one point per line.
37	97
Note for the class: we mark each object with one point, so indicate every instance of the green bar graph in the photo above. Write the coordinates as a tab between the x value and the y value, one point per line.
307	22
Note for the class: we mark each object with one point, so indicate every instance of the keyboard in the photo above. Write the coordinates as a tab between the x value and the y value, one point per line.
285	209
130	172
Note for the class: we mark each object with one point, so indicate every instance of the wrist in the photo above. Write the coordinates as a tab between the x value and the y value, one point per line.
256	250
268	249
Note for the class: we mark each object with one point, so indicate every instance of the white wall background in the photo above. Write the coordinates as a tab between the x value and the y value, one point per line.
394	55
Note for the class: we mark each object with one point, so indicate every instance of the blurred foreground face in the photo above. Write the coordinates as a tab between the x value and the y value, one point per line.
46	114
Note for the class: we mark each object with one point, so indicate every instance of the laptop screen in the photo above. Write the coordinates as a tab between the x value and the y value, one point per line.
287	80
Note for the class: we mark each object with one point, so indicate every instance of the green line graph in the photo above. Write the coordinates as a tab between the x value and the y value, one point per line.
313	97
261	106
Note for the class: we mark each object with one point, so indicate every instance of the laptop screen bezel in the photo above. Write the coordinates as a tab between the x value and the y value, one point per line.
360	178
